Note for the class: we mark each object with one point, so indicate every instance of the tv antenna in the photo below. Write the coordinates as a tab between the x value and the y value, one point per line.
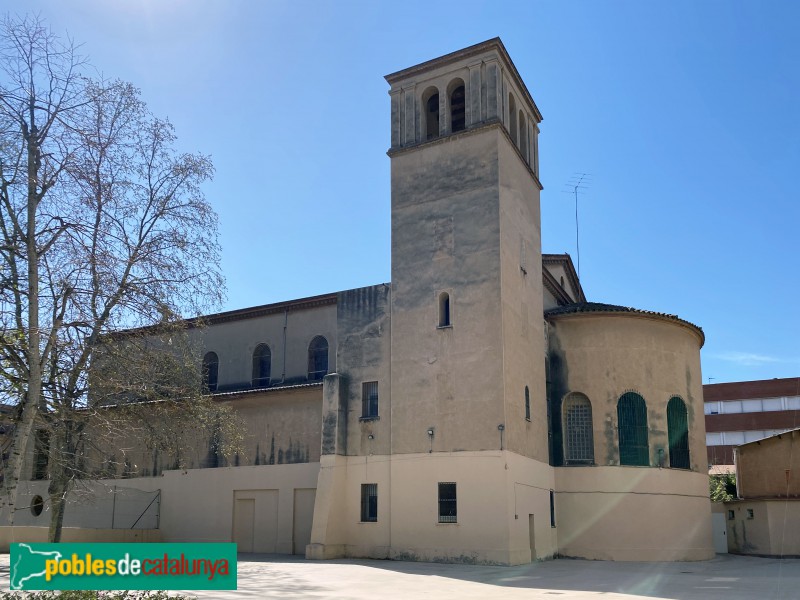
579	181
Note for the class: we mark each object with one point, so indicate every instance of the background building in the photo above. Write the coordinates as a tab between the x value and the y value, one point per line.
743	411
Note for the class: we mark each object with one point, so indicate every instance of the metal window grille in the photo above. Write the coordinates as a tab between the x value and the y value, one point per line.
527	403
317	358
369	502
632	419
579	437
262	365
369	399
448	508
678	431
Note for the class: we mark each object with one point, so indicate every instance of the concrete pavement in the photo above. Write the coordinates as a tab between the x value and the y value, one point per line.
727	577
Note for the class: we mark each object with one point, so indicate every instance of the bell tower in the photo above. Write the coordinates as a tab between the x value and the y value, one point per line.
467	326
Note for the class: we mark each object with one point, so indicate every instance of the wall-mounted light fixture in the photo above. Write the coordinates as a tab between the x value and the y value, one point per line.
370	437
501	428
430	437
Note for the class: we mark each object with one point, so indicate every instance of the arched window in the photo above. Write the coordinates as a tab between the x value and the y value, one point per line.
317	358
444	310
210	371
527	404
512	116
578	430
262	365
458	104
430	104
523	136
632	420
678	431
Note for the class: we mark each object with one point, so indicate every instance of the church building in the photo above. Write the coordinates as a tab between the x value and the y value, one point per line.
477	408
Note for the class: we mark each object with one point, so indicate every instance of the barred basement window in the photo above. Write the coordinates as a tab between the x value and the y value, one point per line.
210	372
317	358
448	509
369	502
578	431
369	399
678	431
632	420
262	365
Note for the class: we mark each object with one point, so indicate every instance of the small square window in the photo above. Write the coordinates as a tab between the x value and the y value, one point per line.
750	514
369	502
731	515
369	399
448	508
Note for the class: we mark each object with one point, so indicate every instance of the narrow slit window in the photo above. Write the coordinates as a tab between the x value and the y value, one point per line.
527	404
448	507
210	371
262	365
552	508
444	310
369	502
458	109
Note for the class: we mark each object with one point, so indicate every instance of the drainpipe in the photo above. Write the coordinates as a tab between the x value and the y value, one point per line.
285	323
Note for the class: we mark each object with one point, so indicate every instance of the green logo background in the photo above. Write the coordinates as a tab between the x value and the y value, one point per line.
28	566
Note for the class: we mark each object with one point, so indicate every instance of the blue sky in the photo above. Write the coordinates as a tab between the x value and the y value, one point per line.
684	112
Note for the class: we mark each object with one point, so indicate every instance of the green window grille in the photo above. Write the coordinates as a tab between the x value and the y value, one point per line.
678	431
632	420
578	434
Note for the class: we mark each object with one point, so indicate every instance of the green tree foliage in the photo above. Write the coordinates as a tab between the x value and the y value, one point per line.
722	488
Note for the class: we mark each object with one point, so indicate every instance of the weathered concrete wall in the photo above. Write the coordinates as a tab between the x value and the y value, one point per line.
524	349
364	355
633	514
772	530
445	238
770	467
605	355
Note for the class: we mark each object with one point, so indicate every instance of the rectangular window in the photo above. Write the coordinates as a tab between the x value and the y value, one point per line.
369	399
730	515
369	502
552	509
448	510
750	514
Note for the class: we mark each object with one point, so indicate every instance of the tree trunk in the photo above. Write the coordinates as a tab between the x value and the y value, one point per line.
59	485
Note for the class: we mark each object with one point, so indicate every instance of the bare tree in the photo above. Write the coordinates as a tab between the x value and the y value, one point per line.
105	228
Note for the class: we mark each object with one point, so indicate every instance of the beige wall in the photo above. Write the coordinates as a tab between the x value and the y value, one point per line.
633	514
605	355
770	467
38	535
773	530
496	492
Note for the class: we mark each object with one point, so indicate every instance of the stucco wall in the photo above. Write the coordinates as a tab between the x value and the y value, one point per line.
633	514
770	467
605	355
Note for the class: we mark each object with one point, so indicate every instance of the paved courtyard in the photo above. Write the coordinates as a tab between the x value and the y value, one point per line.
726	577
